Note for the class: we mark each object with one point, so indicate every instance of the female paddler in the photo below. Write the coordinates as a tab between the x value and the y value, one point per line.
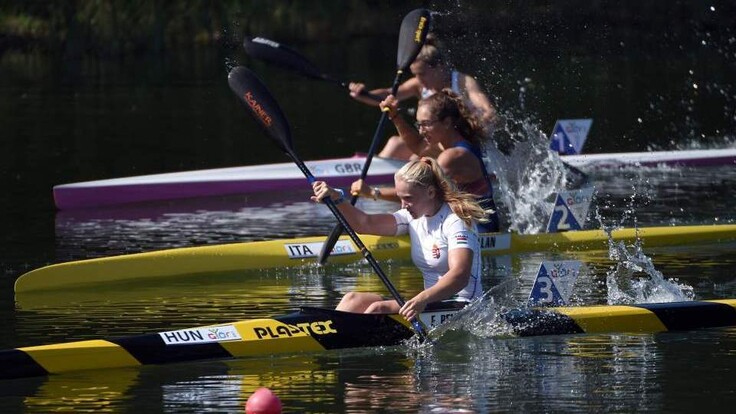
432	73
446	129
442	224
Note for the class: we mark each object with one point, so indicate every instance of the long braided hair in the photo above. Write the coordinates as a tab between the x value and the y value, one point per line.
447	103
426	173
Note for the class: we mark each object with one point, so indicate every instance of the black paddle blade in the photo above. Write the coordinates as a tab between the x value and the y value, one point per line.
280	55
261	105
413	33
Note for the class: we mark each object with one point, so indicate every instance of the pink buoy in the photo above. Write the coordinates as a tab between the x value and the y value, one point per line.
263	401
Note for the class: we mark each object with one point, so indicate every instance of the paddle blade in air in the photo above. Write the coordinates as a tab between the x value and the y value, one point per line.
280	55
413	33
259	101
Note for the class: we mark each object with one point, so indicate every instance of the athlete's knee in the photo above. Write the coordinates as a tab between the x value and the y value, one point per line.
379	307
354	302
373	308
350	297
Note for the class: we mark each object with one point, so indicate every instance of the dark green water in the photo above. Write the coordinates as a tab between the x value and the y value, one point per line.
645	83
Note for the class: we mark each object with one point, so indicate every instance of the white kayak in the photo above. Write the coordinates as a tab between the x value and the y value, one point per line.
219	182
686	158
339	171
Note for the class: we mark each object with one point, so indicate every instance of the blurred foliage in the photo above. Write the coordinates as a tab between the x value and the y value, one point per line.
120	27
114	27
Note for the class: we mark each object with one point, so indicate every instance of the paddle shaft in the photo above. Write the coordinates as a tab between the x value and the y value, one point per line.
420	330
341	83
288	58
377	136
345	85
337	230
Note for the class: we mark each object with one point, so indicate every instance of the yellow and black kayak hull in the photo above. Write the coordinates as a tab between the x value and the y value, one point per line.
314	330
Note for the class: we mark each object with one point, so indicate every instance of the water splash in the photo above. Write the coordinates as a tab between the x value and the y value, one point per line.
230	63
528	175
622	281
625	288
481	318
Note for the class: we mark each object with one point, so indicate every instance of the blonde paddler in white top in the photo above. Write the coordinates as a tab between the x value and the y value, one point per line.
441	222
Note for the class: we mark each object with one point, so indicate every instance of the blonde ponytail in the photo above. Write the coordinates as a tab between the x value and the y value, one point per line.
426	173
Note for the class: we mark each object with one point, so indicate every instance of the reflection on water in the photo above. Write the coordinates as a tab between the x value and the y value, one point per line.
84	392
110	231
665	195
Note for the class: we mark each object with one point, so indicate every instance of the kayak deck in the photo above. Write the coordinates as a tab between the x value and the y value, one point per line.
685	158
208	261
217	182
339	171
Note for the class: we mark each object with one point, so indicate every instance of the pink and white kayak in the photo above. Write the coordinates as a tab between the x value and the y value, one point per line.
339	171
685	158
219	182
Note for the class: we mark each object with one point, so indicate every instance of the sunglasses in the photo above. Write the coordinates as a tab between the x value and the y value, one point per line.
425	124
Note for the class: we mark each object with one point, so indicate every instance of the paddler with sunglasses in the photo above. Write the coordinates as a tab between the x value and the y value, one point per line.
447	130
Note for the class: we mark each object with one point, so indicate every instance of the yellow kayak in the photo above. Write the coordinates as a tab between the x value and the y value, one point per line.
316	330
234	257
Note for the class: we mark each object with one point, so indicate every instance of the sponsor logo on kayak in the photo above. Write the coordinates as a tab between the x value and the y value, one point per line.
287	330
349	168
384	246
200	335
344	168
309	250
257	108
497	242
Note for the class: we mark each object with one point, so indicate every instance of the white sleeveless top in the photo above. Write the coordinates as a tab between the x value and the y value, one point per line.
455	86
426	93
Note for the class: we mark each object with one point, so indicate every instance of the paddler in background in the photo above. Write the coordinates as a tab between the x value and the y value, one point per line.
432	73
442	225
447	130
